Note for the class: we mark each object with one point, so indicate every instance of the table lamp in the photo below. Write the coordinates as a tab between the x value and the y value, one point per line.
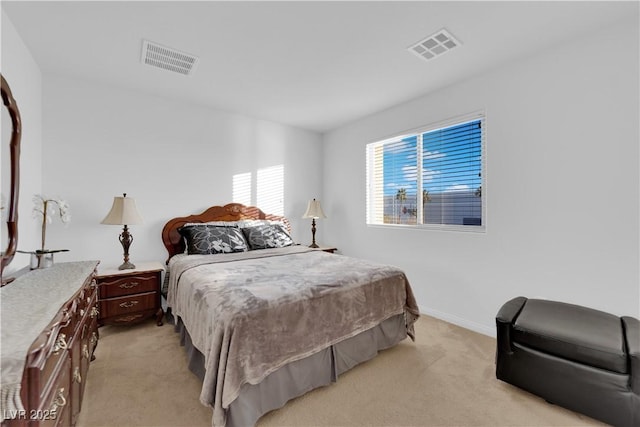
314	211
124	212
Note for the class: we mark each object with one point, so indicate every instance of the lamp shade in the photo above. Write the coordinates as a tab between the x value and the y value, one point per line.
314	210
123	212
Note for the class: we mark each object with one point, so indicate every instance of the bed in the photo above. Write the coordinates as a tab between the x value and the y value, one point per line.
265	320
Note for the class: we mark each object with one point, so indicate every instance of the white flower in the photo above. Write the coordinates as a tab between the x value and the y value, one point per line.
44	210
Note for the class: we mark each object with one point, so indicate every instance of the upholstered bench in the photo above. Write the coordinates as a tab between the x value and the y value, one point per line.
576	357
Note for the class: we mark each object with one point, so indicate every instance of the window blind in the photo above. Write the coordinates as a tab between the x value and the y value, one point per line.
431	176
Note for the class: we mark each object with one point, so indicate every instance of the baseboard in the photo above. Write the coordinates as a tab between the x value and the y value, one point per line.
459	321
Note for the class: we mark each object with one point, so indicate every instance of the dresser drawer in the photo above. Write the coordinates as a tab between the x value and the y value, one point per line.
60	340
55	409
86	301
129	304
111	287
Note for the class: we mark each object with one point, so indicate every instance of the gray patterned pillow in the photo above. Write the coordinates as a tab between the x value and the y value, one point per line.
267	236
203	239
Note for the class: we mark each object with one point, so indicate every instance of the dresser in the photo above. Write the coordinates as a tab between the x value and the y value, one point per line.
130	296
49	333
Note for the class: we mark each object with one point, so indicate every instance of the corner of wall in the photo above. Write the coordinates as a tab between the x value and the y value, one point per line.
25	79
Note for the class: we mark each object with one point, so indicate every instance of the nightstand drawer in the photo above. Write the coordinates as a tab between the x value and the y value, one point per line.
129	304
111	287
129	296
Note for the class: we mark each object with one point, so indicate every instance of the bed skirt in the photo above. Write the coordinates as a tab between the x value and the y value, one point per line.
301	376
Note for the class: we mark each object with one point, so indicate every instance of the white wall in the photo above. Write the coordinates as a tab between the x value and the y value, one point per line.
562	178
174	159
25	79
562	186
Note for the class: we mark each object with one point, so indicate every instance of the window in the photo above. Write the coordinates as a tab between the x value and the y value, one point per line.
431	177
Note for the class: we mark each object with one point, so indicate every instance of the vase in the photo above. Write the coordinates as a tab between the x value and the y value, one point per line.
41	260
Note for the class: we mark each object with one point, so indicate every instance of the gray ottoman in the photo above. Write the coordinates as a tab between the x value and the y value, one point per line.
576	357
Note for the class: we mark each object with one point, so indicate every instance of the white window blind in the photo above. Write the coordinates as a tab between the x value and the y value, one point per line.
431	177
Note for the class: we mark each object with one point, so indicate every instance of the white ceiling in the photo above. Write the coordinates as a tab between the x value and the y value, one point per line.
313	65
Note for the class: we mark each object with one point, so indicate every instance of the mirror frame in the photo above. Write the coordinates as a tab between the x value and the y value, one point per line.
12	208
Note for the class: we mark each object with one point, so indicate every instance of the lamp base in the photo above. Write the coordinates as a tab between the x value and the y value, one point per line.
125	239
313	234
126	266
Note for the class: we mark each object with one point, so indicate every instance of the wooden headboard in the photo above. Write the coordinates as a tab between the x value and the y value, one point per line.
174	242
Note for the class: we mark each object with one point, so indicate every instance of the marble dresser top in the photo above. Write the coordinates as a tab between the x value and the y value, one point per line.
27	306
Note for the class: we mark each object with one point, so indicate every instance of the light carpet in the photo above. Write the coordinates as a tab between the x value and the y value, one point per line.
445	378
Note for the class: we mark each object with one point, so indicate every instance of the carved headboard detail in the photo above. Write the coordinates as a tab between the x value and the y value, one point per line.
174	242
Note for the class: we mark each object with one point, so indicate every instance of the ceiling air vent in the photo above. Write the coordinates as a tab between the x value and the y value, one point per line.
434	45
166	58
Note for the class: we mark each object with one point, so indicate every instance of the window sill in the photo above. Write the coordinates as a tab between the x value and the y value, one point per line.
476	229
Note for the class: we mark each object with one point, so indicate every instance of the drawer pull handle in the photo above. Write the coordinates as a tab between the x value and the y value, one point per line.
129	285
94	311
76	375
128	304
94	340
58	402
85	351
61	344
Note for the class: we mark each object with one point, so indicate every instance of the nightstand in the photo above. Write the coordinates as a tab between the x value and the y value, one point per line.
130	296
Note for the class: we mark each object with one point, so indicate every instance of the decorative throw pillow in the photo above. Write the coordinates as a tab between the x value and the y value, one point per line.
203	239
267	236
